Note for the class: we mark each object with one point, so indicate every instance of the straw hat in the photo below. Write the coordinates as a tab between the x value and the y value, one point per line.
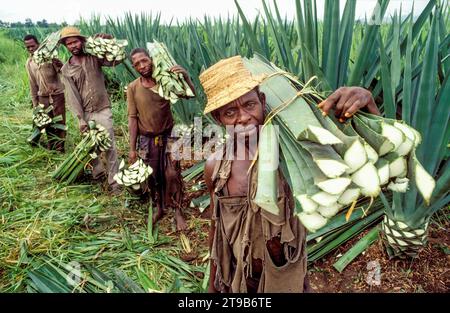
226	81
70	31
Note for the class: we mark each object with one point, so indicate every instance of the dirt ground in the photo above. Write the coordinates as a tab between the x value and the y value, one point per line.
429	272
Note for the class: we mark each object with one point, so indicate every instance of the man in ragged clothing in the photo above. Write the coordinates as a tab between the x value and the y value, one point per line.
87	96
46	88
150	118
253	250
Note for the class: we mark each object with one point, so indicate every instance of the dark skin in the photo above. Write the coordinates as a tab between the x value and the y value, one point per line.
144	66
142	63
247	113
31	46
346	101
75	45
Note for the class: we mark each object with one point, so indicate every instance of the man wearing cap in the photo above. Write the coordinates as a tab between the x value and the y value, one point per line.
86	94
150	118
253	250
46	88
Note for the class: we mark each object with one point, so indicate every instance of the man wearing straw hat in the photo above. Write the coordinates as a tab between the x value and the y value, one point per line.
46	88
86	94
253	250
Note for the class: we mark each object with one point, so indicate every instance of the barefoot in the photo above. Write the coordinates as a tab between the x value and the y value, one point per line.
180	221
158	215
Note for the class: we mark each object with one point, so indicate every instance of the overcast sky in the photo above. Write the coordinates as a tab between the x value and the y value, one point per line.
70	11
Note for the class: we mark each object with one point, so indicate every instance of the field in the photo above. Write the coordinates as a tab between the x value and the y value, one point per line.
74	238
42	220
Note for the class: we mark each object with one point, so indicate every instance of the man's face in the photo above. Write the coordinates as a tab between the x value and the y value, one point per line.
143	64
74	45
31	46
246	113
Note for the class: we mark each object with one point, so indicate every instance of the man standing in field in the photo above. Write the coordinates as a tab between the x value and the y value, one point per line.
86	93
150	118
46	88
253	250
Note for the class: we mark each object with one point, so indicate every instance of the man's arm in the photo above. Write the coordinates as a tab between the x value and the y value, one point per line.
57	64
73	98
133	130
209	168
132	125
34	88
346	101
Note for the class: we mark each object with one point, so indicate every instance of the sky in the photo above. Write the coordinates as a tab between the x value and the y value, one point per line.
70	11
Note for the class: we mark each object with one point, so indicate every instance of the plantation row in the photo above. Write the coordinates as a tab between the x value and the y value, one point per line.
405	64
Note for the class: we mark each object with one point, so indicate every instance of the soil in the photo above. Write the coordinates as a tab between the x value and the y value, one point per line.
429	272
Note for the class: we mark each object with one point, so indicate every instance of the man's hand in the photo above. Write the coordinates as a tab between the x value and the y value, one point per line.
83	126
57	64
132	156
180	69
346	101
103	35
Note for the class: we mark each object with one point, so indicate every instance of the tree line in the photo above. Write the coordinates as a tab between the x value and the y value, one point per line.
29	23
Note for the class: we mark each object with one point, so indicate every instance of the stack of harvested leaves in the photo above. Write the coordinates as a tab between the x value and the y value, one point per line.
47	49
110	49
171	85
94	141
42	121
134	176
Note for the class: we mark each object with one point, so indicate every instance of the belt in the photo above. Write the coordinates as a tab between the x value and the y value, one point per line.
158	140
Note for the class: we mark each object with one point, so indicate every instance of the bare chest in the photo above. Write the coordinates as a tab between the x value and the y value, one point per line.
148	83
239	178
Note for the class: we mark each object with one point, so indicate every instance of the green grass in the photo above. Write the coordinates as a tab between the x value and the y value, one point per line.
44	222
39	218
